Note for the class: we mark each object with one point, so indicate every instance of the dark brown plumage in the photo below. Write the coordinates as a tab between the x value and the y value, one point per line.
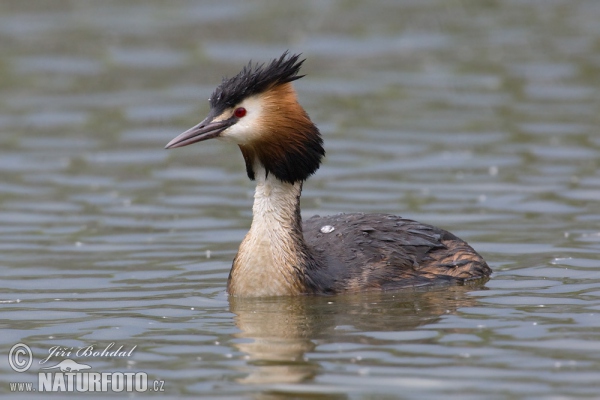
385	252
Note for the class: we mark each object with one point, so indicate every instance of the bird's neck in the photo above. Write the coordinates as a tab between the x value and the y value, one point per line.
273	256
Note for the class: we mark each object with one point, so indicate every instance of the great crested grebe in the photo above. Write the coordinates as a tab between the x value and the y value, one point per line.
258	110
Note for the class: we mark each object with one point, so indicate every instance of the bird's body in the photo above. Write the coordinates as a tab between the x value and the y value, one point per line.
258	110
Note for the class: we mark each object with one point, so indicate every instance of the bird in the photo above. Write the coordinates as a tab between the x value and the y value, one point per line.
258	110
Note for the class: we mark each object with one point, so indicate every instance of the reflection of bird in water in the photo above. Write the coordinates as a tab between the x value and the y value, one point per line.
281	331
258	110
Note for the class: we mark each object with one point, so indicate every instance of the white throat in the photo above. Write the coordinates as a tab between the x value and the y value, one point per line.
269	256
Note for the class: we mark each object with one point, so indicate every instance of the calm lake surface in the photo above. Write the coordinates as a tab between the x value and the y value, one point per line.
480	117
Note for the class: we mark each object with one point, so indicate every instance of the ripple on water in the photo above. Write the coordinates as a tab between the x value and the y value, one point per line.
60	65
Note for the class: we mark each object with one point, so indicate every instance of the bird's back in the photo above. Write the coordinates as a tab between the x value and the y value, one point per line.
382	252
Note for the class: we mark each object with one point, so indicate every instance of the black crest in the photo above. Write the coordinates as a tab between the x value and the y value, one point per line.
255	79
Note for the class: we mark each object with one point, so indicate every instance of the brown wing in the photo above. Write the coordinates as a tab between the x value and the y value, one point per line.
381	251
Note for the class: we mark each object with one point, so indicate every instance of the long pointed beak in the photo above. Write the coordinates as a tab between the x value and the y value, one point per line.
205	130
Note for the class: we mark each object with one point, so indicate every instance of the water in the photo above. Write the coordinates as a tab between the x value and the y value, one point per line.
479	117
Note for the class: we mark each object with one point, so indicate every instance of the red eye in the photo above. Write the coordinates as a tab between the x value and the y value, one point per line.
239	112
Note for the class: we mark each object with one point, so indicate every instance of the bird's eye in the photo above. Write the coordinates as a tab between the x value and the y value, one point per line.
239	112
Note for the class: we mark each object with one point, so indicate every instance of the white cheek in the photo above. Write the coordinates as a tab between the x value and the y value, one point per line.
247	128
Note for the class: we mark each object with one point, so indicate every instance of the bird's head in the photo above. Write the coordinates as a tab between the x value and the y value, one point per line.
258	110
